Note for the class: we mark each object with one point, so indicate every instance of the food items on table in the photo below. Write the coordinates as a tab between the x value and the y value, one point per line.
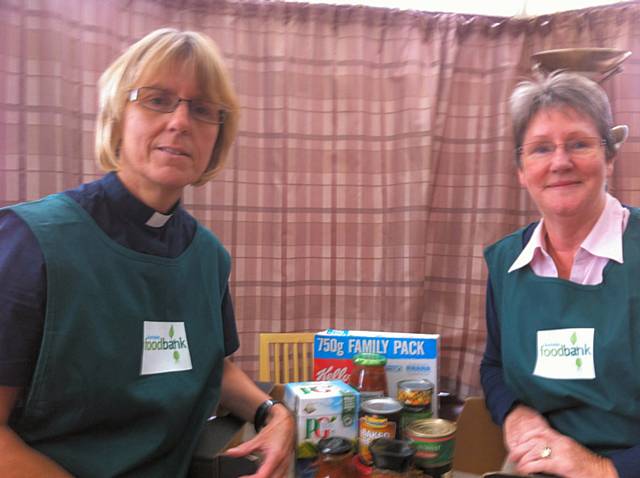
415	392
322	410
379	418
335	456
434	439
409	356
368	375
392	458
416	396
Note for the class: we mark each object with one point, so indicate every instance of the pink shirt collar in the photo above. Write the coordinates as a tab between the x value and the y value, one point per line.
603	242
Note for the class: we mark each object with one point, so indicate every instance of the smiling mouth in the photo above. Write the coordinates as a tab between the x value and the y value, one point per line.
176	152
563	184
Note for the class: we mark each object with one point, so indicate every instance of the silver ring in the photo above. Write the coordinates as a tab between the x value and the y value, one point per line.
546	452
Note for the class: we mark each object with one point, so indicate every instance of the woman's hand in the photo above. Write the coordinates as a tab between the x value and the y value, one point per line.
557	454
520	421
274	443
535	447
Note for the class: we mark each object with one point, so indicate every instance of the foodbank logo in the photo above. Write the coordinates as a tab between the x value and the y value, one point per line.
567	351
153	343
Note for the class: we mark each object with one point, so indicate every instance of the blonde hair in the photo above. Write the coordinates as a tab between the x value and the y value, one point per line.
151	55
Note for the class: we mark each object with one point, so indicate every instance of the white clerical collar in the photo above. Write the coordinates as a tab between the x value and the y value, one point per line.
158	219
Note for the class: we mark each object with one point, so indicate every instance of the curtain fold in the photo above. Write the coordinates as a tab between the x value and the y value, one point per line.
374	160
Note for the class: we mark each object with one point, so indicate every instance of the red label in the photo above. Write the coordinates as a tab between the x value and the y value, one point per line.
332	369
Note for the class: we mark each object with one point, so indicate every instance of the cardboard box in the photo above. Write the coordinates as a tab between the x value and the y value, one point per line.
409	356
322	409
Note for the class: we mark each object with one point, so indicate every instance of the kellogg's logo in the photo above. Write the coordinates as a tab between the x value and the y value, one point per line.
333	373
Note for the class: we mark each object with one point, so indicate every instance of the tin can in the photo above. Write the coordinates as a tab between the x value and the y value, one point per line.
416	396
416	393
411	414
434	439
379	418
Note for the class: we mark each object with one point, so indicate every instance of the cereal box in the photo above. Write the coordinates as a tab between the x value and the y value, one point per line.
322	409
409	356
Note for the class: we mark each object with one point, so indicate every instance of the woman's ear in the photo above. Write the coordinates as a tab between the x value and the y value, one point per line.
521	177
609	166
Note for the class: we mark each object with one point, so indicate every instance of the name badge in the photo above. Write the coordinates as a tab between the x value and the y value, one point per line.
164	348
565	354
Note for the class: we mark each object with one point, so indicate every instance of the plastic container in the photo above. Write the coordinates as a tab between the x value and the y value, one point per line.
391	458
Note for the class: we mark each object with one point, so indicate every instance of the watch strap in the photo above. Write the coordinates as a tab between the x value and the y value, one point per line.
262	413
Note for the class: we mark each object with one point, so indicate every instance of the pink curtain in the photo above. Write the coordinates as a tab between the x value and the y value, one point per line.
374	161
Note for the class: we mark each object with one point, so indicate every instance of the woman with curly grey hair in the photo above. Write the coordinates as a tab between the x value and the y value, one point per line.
560	367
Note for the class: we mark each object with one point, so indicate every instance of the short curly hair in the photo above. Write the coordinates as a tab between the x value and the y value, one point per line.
561	89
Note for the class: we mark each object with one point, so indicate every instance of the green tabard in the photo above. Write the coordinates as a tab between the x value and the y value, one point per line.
89	407
603	412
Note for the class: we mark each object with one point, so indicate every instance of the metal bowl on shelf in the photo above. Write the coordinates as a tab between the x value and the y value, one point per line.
595	63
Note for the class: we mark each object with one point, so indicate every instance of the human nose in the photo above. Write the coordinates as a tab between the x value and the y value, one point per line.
560	158
180	118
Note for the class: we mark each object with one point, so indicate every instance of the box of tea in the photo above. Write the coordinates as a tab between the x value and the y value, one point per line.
322	409
409	356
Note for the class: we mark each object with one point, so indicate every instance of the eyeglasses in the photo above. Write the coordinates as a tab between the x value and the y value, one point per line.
162	101
575	148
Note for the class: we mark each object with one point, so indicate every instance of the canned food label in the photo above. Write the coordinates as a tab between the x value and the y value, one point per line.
372	427
433	451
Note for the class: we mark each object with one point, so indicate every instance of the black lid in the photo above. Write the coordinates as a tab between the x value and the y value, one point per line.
334	446
388	454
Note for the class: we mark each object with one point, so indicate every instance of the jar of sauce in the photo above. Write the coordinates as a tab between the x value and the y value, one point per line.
335	455
368	375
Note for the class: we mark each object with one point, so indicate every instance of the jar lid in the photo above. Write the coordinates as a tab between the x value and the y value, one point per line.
334	446
415	384
389	454
384	406
369	359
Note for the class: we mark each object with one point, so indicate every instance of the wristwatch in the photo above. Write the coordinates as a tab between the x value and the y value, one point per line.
263	412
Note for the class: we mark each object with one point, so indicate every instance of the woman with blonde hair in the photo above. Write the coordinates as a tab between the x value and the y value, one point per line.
116	320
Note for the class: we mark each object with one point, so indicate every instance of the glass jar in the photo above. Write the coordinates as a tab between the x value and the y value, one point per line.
334	458
391	458
368	375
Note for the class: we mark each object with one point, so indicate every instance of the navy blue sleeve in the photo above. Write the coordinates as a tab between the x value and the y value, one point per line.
231	342
627	462
500	400
22	300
